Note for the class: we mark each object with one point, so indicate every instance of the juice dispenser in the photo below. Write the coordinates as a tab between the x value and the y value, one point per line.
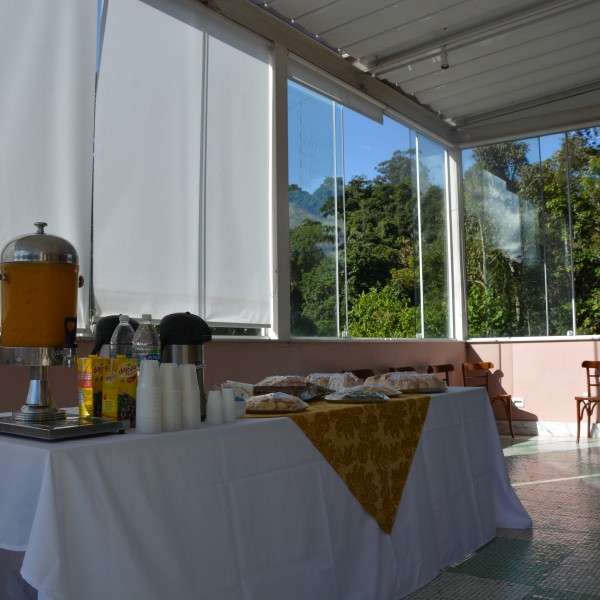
39	281
39	276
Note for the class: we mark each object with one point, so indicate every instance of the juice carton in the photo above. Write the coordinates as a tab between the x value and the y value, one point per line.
84	387
119	389
100	367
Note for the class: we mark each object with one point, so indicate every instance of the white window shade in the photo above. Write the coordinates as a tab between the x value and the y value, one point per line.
238	179
181	166
47	77
147	159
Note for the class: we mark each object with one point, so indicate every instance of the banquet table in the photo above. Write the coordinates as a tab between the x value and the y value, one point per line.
249	510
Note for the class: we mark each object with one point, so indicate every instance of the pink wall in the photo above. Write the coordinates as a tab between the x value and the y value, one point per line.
547	374
251	360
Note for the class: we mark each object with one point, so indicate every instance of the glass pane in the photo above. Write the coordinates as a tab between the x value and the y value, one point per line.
358	262
516	239
315	197
381	229
557	236
584	188
433	246
502	239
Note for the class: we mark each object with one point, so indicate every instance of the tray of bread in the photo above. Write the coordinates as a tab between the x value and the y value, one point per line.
362	394
334	381
286	384
409	382
293	385
275	403
356	397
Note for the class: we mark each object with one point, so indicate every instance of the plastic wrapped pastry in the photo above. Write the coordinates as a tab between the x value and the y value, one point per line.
276	402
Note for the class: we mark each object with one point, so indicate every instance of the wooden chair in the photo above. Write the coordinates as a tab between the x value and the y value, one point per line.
400	369
362	373
478	375
445	369
586	404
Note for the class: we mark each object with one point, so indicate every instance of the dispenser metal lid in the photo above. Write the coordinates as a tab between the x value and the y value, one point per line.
183	329
39	247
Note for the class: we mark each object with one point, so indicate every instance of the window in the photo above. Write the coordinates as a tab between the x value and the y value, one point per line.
368	235
532	251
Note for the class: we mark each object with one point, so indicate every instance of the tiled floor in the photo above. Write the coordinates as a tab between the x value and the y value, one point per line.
558	482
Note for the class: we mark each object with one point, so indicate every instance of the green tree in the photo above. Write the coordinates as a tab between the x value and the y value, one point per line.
504	160
380	274
493	275
584	187
383	313
307	257
529	292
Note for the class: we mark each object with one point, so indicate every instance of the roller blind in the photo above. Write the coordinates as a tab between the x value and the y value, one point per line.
182	165
47	77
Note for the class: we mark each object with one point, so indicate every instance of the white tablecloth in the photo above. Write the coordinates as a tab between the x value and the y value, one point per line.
247	511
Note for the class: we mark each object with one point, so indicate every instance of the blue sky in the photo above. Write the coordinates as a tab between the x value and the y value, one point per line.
368	143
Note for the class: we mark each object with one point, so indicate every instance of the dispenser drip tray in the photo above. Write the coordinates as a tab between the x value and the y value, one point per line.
69	427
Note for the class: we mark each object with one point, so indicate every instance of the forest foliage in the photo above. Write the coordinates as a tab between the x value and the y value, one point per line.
371	257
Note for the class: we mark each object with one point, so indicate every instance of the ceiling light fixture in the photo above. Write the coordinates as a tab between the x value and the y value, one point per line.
444	58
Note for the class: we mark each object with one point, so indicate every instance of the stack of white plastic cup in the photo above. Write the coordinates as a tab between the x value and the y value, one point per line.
228	400
148	398
214	408
171	396
191	412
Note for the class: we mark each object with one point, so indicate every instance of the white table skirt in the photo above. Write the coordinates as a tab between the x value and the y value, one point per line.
247	511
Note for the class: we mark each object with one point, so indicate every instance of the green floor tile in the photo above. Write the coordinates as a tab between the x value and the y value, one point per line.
543	594
558	482
513	560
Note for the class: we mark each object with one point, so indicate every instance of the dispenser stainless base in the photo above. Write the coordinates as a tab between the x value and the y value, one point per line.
69	427
39	407
39	414
39	417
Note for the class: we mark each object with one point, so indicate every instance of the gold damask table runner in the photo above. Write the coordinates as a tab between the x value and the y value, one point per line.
371	446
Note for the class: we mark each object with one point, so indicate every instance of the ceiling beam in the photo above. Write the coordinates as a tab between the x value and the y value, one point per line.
517	19
263	22
479	119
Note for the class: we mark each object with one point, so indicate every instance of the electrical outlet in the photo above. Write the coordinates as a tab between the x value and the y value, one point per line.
519	402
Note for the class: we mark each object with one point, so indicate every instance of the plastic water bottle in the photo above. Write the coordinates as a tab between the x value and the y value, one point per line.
146	343
121	341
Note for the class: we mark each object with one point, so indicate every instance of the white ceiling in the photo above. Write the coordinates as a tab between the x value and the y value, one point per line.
514	65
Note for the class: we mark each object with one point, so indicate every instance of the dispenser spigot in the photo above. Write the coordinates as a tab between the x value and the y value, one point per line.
69	349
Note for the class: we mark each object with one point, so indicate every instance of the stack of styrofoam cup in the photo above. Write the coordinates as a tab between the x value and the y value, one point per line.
171	396
214	408
191	412
228	400
148	398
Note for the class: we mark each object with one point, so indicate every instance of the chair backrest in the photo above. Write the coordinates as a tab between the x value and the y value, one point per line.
592	376
362	373
400	369
445	369
477	374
